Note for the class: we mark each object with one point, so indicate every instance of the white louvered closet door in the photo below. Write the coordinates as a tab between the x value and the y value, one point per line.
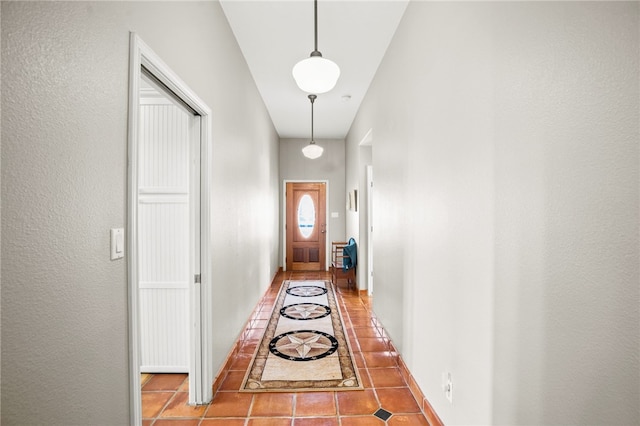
168	196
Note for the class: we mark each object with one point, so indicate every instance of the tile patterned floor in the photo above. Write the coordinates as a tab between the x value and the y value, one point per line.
164	396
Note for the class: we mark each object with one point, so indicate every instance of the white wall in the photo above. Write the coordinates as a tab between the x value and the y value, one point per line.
64	170
566	179
331	167
506	210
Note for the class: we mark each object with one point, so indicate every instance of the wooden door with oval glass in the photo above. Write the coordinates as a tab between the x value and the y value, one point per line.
306	226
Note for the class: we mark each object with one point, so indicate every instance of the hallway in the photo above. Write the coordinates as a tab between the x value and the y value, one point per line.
164	395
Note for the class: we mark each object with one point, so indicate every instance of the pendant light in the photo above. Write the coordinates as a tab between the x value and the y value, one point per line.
312	150
316	74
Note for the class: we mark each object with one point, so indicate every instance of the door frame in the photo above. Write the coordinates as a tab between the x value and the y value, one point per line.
201	359
369	172
327	240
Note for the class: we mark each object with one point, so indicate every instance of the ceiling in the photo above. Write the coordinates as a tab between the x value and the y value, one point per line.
275	35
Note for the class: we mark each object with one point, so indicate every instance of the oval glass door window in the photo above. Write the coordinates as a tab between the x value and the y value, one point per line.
306	215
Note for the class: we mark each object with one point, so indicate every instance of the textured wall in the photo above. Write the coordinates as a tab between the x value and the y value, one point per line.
331	167
566	180
64	171
506	210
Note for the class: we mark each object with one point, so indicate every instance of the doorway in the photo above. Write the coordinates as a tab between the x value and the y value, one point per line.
369	172
168	225
168	210
306	226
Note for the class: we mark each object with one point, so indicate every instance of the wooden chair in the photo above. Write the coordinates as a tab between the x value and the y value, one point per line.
337	264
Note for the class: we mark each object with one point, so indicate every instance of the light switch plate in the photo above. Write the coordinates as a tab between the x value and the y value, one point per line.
335	214
117	243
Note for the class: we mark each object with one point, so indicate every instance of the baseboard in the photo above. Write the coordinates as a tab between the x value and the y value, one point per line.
226	366
235	349
425	406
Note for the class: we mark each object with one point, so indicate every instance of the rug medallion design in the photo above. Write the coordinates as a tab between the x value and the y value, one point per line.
305	346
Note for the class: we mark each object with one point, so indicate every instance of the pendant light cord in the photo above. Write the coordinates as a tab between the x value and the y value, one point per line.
315	30
312	98
315	24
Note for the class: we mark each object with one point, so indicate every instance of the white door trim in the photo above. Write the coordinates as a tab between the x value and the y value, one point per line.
369	171
201	362
327	241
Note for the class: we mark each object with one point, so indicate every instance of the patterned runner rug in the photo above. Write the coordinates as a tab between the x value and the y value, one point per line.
305	346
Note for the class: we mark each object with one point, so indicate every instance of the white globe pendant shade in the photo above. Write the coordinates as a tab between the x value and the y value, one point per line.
312	151
316	74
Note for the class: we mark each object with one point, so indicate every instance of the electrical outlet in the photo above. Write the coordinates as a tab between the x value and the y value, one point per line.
447	386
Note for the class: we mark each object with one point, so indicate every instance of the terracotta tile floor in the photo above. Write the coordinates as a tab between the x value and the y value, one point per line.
164	396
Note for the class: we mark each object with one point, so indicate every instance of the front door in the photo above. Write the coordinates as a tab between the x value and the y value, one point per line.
306	226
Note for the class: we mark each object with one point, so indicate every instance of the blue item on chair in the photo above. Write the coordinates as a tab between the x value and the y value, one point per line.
350	252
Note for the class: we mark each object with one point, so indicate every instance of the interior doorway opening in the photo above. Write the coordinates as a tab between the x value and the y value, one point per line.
168	224
168	187
366	217
370	230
